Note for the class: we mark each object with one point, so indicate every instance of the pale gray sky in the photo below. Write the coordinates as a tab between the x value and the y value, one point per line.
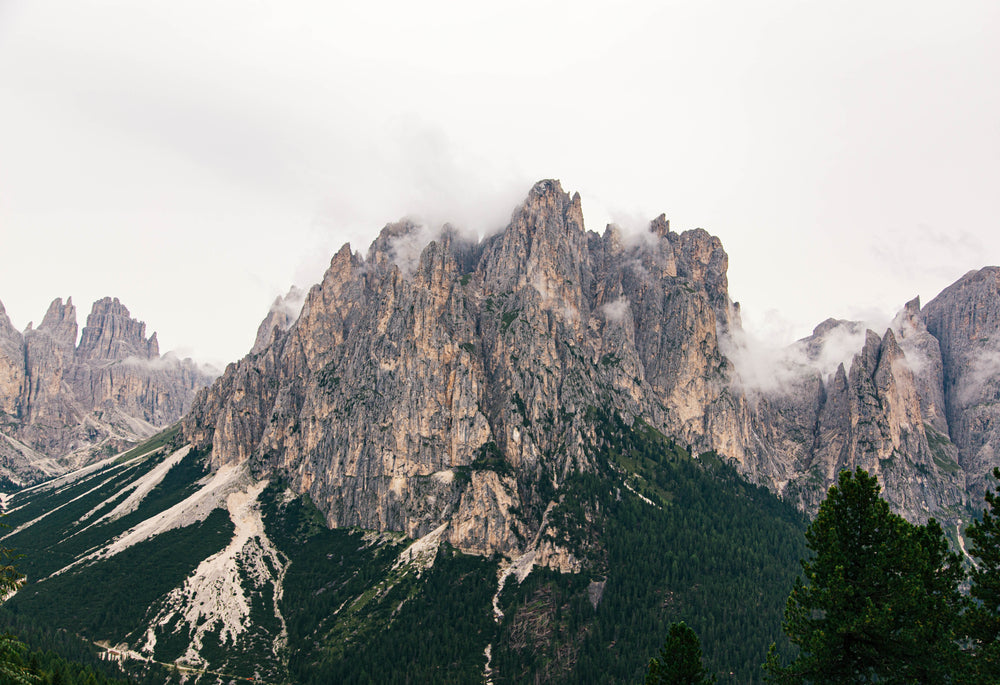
196	158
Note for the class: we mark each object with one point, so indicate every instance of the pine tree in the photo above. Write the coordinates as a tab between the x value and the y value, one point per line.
984	614
12	668
679	661
880	599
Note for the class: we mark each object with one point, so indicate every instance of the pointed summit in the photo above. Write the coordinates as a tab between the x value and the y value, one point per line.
60	322
545	245
112	334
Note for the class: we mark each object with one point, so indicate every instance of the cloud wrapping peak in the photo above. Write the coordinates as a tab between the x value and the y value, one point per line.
983	371
769	369
615	311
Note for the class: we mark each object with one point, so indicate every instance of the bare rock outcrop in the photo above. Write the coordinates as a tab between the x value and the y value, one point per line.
461	382
965	319
459	385
60	400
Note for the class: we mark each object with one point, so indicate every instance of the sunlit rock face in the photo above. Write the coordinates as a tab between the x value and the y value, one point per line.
59	399
457	381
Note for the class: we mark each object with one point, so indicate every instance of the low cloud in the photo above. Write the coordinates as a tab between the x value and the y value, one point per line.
921	250
982	376
772	369
616	311
169	361
289	306
405	249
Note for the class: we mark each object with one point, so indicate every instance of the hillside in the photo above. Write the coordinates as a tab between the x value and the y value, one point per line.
154	554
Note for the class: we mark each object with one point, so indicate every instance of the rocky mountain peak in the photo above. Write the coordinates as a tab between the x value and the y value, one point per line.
660	227
112	334
283	313
62	400
7	330
11	364
545	247
59	322
965	320
458	390
449	382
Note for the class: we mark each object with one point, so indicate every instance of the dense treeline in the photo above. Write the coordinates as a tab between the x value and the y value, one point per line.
57	657
109	598
352	618
707	548
703	546
710	549
665	536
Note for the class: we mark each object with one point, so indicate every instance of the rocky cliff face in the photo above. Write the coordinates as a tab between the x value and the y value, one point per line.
879	409
458	383
965	319
458	386
59	399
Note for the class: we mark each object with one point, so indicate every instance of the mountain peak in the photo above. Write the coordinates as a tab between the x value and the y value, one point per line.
544	188
112	334
60	321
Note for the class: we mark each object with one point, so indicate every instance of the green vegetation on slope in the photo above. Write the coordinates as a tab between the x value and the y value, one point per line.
706	548
711	550
108	599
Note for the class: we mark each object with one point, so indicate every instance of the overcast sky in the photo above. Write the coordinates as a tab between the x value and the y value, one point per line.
197	158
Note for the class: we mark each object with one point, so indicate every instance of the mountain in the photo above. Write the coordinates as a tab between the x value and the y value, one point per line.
965	319
499	460
454	384
63	401
416	362
194	574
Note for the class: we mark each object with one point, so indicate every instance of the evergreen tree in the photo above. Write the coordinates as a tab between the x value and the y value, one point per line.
984	614
679	661
12	668
880	599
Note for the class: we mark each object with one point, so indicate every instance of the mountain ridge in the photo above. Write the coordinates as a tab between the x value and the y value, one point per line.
63	401
531	451
401	369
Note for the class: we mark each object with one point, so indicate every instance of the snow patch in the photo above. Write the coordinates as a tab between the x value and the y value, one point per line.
213	598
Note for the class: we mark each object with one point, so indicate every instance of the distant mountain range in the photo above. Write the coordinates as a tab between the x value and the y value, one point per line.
64	404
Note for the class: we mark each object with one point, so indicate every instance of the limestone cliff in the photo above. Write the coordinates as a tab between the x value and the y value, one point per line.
878	409
59	400
459	385
457	382
965	319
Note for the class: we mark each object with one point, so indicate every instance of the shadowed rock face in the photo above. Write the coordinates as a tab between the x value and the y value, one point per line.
58	397
965	319
460	387
402	377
